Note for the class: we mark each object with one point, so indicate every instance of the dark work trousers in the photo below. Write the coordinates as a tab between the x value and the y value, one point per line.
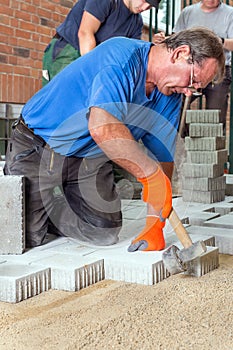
88	207
217	97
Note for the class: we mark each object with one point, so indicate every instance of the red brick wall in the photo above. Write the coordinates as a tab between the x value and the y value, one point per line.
26	28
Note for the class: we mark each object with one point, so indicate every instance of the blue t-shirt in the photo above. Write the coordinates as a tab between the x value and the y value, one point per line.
111	77
116	20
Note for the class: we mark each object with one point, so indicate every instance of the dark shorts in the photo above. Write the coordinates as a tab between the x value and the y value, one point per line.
75	196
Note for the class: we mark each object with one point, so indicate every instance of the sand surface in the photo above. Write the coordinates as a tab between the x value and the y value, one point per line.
180	313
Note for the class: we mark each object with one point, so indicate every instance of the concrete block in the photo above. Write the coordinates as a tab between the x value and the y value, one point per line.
202	116
229	184
199	218
12	219
205	130
204	183
72	273
223	238
203	197
205	143
207	157
205	263
225	221
202	170
19	282
223	208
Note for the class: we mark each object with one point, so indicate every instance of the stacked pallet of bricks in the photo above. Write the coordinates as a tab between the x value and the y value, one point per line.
203	177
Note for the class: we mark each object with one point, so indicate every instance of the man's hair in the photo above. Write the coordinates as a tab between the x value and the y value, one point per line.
203	44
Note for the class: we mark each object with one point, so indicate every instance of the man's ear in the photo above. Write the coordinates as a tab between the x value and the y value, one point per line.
181	52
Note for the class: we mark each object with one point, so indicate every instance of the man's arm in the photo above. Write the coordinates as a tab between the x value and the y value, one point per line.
117	142
228	44
86	34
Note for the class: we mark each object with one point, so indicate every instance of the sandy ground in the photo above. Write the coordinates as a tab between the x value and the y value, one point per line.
182	312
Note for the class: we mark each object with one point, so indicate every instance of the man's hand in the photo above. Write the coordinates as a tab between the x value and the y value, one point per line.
151	238
157	191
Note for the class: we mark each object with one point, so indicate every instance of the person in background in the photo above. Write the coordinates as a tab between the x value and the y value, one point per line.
218	17
89	23
93	113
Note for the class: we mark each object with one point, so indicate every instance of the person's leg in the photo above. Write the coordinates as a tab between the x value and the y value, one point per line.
57	56
217	96
91	211
24	158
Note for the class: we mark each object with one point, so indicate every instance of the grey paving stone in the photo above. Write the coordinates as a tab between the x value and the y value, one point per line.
71	272
204	183
205	263
223	238
202	170
205	130
19	282
225	221
199	218
203	197
207	157
12	219
229	184
223	208
202	116
205	143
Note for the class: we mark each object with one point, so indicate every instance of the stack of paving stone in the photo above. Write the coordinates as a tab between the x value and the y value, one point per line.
203	177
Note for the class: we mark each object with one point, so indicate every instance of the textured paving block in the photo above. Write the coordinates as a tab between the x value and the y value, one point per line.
20	282
12	218
229	185
225	221
202	170
205	130
203	197
207	157
205	263
223	208
223	238
204	143
202	116
72	273
136	267
204	183
199	218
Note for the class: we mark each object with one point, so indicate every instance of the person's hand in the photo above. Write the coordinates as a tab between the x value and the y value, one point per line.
151	238
157	191
158	37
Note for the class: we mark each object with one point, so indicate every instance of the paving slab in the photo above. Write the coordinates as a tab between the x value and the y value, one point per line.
225	221
72	272
12	218
204	143
203	196
205	263
19	281
223	237
198	219
202	116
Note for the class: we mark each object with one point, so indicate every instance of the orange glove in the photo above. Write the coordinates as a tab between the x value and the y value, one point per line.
151	237
157	191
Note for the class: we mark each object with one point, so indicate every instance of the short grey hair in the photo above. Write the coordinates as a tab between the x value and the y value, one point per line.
203	44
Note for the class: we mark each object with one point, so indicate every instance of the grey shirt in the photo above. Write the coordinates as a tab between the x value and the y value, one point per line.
219	21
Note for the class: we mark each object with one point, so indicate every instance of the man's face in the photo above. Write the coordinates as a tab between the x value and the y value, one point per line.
186	77
137	6
210	4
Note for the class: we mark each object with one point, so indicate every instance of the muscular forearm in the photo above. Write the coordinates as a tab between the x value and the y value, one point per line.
115	139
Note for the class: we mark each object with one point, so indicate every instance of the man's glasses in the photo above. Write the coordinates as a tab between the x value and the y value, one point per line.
195	92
